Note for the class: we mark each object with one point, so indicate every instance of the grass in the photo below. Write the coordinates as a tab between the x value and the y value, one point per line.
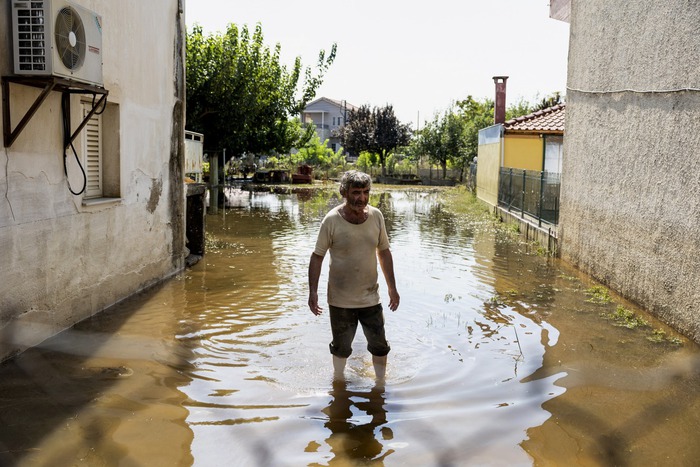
460	201
627	318
658	336
599	295
568	277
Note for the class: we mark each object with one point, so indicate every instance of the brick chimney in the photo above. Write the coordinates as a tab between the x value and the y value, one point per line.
500	104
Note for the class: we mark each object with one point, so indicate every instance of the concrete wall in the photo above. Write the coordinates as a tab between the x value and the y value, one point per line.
64	258
545	236
630	211
560	9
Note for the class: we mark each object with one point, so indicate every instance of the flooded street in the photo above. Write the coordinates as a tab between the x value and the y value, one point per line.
500	356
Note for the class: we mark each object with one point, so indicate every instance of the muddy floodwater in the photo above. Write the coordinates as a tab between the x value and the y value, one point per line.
500	356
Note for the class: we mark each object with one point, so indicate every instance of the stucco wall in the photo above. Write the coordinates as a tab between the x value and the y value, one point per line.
63	260
523	152
630	210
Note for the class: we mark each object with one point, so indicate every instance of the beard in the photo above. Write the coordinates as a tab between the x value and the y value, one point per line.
359	205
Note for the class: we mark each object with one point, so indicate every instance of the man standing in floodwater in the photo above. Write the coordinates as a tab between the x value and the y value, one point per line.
355	234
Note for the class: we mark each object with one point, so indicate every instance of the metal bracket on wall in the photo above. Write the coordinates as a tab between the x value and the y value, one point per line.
46	84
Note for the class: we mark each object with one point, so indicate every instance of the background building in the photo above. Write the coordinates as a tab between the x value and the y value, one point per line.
329	116
520	161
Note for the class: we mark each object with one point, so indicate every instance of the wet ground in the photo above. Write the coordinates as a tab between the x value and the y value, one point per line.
500	356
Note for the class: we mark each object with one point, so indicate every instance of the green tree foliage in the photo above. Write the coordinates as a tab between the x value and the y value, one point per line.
377	131
358	133
316	152
366	160
444	140
241	97
477	115
453	138
518	109
550	101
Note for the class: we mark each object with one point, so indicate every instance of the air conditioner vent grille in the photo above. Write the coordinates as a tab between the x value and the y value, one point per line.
31	36
57	38
70	38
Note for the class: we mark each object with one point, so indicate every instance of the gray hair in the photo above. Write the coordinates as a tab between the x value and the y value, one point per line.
354	179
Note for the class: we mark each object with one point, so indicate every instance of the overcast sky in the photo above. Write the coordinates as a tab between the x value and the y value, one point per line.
419	56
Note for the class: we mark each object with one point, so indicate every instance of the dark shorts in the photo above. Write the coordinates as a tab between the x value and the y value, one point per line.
344	325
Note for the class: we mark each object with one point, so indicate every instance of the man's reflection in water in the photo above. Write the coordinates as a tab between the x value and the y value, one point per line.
352	437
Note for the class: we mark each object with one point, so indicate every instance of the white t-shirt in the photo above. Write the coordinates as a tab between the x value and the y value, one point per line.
352	279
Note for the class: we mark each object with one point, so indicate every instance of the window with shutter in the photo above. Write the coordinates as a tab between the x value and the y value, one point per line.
92	153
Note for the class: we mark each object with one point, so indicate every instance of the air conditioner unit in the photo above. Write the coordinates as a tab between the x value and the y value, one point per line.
57	38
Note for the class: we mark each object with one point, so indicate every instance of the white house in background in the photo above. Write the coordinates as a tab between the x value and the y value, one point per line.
328	115
87	224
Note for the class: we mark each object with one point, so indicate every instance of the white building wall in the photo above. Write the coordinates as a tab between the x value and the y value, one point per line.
65	259
328	118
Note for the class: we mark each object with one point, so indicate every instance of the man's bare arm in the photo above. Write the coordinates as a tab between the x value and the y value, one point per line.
386	261
315	264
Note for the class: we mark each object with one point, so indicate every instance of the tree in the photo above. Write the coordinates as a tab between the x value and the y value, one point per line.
366	160
551	101
358	133
477	115
389	134
520	108
240	95
444	140
454	139
316	152
454	136
378	131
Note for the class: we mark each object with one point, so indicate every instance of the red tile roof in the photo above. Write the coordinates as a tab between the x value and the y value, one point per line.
549	120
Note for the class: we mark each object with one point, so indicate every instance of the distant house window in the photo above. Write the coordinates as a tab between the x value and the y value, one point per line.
334	147
340	121
333	121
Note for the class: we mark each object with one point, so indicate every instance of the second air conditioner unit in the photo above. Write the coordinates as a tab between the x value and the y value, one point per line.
57	38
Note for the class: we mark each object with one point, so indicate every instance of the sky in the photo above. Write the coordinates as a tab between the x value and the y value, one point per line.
420	56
